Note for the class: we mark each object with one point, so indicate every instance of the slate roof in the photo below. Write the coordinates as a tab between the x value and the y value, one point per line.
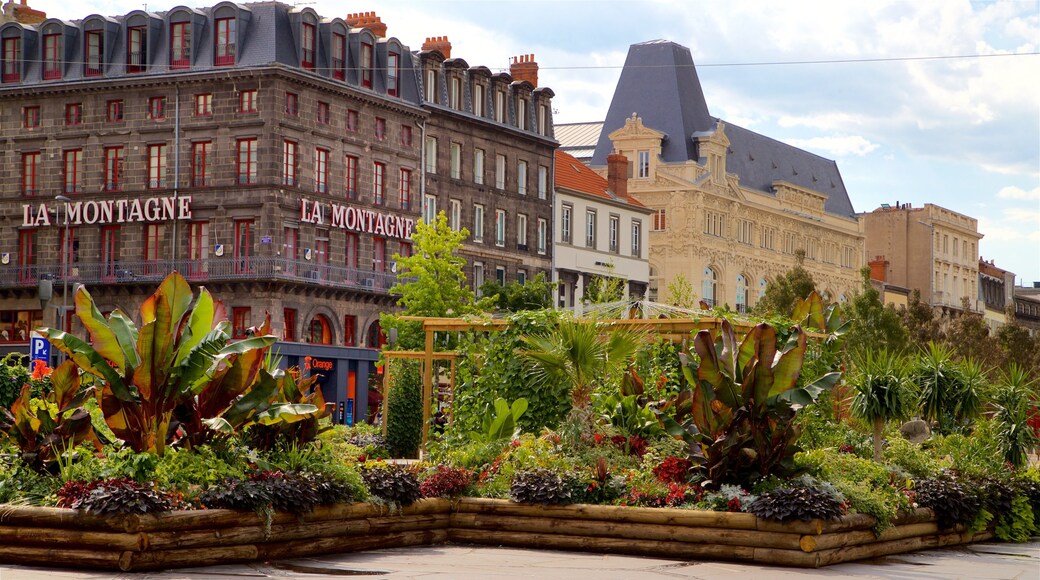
659	83
573	175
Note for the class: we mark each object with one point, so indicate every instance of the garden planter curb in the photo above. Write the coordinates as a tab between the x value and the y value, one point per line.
54	536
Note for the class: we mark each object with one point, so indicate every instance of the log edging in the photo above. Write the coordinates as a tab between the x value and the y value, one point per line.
54	536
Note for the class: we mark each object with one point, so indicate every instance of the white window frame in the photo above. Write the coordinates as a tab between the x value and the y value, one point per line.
500	171
478	166
431	155
455	171
521	177
429	208
543	182
500	227
543	233
455	215
521	230
478	222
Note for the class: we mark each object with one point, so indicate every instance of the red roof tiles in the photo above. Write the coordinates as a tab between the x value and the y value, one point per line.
573	175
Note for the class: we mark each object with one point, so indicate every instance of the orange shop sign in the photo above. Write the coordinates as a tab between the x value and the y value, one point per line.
316	364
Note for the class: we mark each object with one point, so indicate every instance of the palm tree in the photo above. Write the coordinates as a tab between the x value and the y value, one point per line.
1015	394
883	391
580	354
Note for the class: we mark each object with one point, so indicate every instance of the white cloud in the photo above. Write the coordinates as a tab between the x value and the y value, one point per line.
836	146
1013	192
1021	214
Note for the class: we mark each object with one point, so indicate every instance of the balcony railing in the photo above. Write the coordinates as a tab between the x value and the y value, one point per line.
202	270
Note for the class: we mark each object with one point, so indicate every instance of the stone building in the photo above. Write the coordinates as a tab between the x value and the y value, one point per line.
996	292
931	249
488	157
731	207
262	150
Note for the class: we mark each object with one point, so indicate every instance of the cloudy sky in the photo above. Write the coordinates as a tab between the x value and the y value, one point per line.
963	133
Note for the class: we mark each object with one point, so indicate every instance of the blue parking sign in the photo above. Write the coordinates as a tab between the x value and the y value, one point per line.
39	348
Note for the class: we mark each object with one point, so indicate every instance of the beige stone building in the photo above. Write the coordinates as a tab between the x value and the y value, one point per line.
731	207
931	249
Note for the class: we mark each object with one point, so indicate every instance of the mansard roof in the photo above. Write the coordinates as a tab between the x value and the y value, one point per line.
659	83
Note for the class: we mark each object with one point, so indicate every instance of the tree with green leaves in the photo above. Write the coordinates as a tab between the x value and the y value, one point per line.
968	335
874	323
534	294
1016	393
783	291
606	289
680	293
920	322
883	391
949	392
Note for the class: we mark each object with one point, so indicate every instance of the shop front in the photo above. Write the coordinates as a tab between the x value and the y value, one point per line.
343	375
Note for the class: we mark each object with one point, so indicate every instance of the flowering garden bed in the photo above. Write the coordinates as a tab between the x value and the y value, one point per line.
62	537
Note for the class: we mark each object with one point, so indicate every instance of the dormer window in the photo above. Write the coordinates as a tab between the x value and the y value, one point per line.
51	56
136	49
225	41
393	73
308	43
430	86
521	114
543	120
12	58
339	56
180	45
366	65
500	106
479	98
455	93
92	63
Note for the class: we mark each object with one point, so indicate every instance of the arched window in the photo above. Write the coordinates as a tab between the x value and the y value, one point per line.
319	331
843	298
376	338
827	296
743	296
710	292
762	283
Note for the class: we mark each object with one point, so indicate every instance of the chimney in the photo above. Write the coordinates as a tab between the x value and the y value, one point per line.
367	20
22	13
617	174
438	43
524	68
878	269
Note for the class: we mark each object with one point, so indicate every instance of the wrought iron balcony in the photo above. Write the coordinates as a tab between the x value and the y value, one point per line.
224	269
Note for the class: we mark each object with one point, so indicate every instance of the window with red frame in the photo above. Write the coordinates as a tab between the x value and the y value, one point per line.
350	330
113	168
26	255
136	49
180	45
319	330
406	189
366	65
321	170
156	166
240	321
72	170
52	56
114	111
153	235
378	254
351	176
351	251
290	162
73	114
324	117
157	108
203	105
12	58
405	250
352	120
406	135
379	183
307	42
246	172
30	117
289	324
30	172
393	73
292	104
200	169
339	56
92	62
380	128
247	101
225	40
243	251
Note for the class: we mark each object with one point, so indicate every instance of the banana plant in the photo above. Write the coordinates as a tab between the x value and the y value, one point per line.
811	314
292	416
737	415
45	428
146	373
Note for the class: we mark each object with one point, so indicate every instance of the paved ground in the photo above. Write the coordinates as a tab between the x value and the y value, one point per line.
980	561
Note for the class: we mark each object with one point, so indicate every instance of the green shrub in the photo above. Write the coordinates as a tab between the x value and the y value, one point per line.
953	501
14	373
866	485
976	455
405	412
125	463
392	484
912	459
1019	524
201	467
819	431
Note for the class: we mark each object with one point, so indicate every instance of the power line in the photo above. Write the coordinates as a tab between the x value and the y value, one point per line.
797	62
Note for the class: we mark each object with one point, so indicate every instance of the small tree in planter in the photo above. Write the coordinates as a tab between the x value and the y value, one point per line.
884	391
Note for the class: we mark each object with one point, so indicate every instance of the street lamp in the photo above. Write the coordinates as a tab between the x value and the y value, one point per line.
64	262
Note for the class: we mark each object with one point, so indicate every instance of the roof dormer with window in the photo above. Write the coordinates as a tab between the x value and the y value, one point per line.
184	30
100	37
335	32
431	65
142	34
304	24
59	43
230	21
16	40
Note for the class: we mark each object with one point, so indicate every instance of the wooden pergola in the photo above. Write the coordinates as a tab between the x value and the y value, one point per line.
672	329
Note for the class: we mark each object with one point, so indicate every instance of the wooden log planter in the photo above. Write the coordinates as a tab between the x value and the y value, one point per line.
61	537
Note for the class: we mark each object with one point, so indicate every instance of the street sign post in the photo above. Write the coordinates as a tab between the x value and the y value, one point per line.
39	348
